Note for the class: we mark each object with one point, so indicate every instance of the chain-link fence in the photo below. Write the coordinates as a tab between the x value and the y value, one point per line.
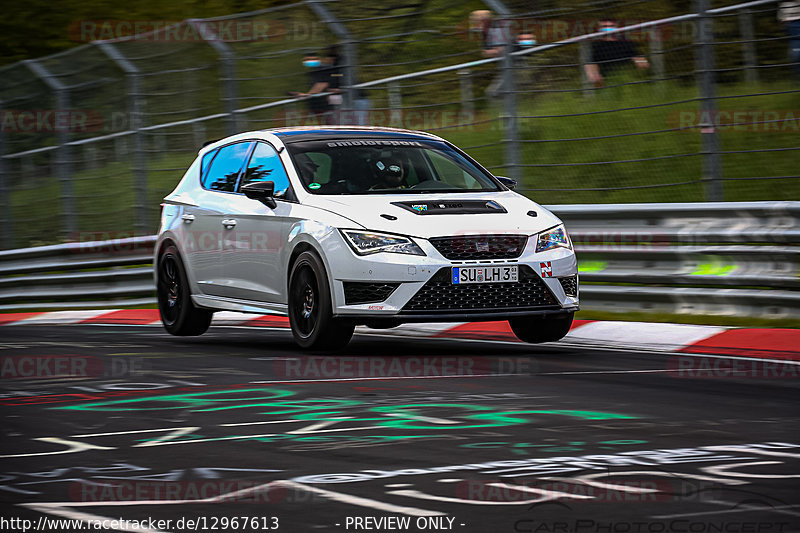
696	106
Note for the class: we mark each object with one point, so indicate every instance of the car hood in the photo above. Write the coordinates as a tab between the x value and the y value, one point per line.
423	216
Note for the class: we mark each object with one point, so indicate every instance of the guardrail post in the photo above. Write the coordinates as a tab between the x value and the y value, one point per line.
6	217
63	153
509	118
227	67
748	46
465	84
657	56
142	221
706	80
395	105
198	134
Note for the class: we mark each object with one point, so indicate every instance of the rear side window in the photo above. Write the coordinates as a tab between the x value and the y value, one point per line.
265	165
205	162
225	168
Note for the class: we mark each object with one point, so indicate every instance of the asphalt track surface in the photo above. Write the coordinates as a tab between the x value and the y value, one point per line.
449	435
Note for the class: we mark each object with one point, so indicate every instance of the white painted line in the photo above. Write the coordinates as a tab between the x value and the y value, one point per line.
126	503
259	423
722	470
128	432
362	502
421	418
550	494
432	497
389	378
743	509
601	485
605	372
72	447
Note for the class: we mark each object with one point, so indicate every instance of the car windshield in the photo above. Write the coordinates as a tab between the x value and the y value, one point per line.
385	166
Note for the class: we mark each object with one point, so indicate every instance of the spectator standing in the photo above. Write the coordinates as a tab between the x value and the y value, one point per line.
326	77
317	105
493	39
610	53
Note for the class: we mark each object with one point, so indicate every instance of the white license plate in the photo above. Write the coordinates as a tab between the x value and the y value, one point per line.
484	274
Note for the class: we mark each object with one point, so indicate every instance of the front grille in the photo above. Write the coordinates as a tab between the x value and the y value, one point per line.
480	246
440	294
570	285
356	292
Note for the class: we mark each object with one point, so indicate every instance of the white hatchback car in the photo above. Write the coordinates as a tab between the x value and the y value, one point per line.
341	226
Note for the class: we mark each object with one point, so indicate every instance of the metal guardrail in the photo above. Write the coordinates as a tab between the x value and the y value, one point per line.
736	258
114	273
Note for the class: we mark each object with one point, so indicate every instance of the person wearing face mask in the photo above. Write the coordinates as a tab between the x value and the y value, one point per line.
524	64
320	81
610	53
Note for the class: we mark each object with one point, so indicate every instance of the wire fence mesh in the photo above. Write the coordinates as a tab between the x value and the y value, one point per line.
702	105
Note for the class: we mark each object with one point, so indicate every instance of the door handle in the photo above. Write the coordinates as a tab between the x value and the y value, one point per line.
187	218
229	223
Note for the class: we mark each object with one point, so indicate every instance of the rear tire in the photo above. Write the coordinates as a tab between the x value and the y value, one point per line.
311	310
535	330
178	314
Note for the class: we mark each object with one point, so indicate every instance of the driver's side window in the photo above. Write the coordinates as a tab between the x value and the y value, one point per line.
265	165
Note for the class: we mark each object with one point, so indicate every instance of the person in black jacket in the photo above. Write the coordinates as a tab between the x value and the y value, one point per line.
325	76
611	53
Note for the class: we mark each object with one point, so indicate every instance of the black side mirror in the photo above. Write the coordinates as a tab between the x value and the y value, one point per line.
263	191
508	182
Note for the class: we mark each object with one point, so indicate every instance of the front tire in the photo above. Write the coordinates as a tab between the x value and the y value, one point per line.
178	314
311	309
535	330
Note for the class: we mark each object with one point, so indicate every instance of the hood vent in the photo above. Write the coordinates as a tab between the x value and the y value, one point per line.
452	207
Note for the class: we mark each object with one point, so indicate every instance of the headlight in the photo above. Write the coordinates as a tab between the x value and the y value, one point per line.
553	238
365	243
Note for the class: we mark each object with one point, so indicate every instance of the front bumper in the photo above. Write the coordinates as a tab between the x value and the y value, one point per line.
539	291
